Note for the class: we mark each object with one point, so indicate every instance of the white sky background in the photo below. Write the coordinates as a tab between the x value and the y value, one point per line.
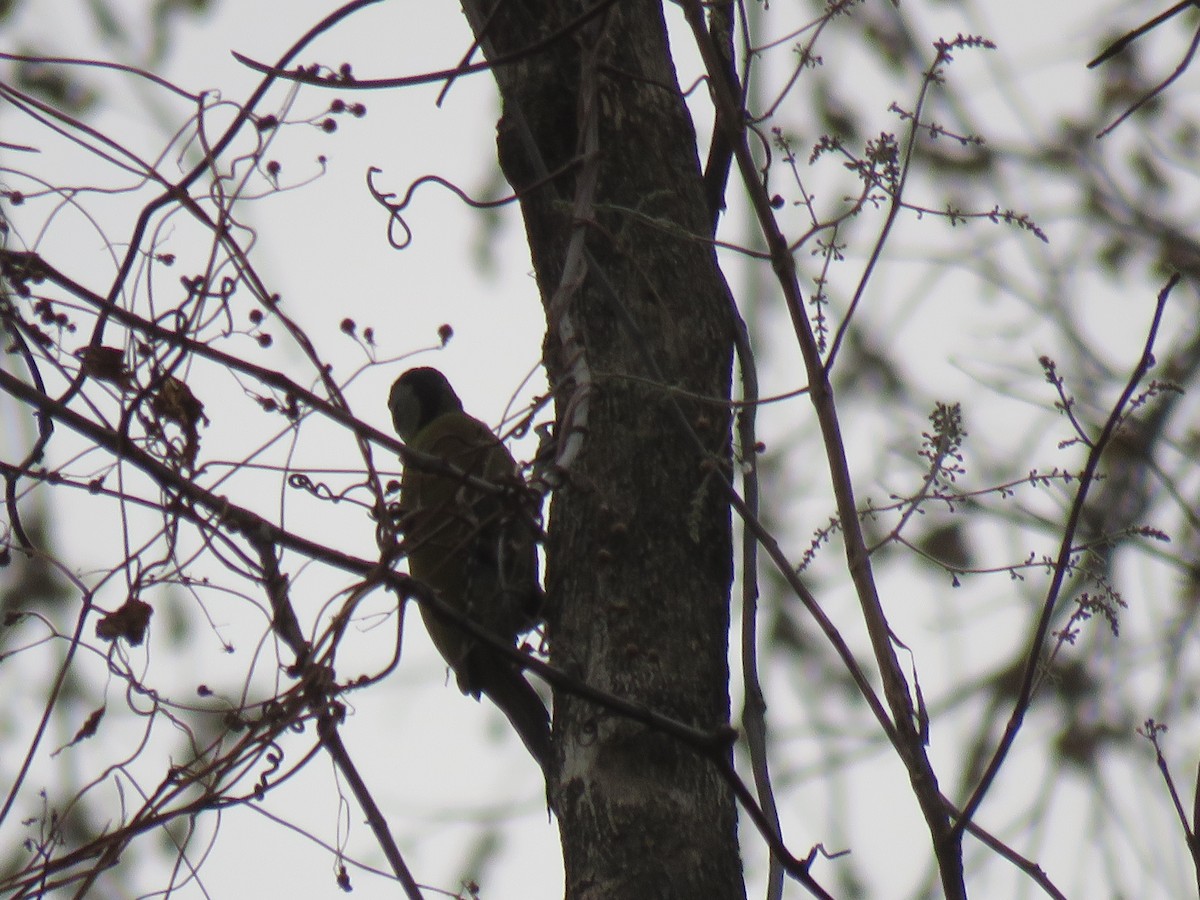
434	760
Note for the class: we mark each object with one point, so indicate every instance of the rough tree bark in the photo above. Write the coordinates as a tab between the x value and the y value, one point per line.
639	552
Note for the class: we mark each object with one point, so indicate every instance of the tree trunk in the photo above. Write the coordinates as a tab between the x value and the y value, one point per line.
639	552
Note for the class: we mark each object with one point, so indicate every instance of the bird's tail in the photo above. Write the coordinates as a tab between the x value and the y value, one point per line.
522	706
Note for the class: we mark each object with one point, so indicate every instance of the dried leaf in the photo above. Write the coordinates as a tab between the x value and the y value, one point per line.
129	622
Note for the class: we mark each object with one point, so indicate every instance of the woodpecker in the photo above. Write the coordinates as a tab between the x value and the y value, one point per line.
476	549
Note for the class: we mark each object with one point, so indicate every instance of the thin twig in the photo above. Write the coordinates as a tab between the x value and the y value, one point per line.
1062	565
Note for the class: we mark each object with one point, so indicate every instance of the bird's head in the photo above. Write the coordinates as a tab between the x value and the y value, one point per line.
418	397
